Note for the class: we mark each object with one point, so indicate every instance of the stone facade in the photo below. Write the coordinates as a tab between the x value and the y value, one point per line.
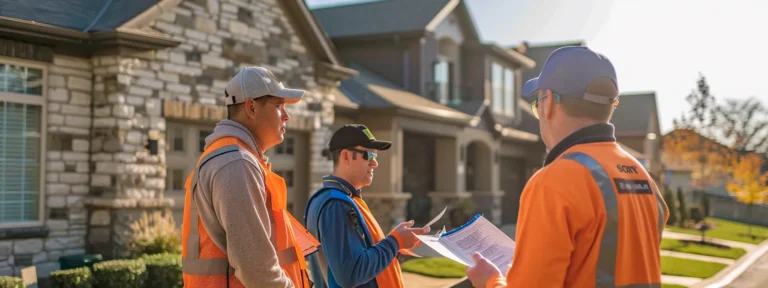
107	121
67	172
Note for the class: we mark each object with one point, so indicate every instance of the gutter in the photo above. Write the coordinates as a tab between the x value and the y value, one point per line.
88	42
10	26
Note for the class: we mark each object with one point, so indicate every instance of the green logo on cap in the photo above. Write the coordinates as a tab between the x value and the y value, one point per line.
369	134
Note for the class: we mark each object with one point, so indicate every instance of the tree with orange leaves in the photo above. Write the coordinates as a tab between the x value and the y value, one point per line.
749	183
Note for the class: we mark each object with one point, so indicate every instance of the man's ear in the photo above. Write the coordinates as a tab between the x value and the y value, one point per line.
250	108
549	105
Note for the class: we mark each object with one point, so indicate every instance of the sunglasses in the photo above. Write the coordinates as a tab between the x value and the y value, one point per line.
535	103
367	155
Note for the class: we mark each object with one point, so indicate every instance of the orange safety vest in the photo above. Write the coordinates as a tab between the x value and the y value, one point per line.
591	218
205	265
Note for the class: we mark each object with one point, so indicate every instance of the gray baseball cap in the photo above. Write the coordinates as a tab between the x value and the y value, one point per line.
256	82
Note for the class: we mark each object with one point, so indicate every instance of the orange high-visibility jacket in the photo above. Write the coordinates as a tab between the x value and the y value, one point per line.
592	217
204	264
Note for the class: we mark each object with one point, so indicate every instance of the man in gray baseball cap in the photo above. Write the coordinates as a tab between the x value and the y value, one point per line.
240	201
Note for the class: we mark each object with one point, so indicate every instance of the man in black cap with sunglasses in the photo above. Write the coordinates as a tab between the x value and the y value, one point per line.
354	250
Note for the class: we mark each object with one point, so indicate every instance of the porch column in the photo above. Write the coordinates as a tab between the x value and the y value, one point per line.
385	196
127	152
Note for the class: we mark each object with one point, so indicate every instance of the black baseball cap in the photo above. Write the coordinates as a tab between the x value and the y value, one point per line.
353	135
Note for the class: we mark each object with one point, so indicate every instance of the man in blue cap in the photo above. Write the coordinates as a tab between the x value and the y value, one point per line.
592	216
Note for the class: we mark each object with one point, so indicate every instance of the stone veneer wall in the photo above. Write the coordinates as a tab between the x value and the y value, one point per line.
67	172
103	111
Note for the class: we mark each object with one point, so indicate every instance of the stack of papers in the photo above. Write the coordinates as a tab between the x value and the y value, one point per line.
477	235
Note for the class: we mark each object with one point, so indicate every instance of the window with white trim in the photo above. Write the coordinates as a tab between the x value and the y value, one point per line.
22	131
497	86
509	92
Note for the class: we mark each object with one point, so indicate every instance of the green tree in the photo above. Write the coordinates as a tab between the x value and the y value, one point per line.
670	199
704	204
681	208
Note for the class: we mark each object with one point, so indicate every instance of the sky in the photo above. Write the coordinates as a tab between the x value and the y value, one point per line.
655	45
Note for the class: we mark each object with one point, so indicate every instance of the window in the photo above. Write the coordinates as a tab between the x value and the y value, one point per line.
175	180
22	110
287	176
497	86
509	92
201	139
443	75
175	139
285	148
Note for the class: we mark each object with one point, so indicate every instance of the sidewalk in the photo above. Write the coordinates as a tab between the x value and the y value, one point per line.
679	280
756	276
681	236
725	261
412	280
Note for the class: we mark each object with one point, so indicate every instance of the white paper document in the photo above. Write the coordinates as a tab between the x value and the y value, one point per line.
436	217
477	235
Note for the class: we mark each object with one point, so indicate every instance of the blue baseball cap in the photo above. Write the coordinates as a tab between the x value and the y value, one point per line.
569	71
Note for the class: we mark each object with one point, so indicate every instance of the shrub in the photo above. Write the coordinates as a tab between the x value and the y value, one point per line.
683	211
696	215
120	273
154	234
670	200
164	270
71	278
11	282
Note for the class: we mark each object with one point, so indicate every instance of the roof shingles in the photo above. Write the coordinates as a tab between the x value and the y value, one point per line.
380	17
80	15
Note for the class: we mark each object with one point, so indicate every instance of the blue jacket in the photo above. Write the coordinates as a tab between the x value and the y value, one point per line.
350	257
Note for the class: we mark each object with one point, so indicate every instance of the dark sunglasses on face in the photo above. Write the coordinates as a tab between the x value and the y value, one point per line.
367	155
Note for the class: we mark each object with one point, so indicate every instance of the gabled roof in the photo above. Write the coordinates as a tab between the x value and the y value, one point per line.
80	15
369	91
104	24
632	117
390	16
539	54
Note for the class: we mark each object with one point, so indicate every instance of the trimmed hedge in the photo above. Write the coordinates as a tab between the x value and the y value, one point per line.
164	270
120	273
11	282
71	278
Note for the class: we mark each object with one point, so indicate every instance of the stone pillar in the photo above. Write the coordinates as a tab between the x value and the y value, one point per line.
448	165
388	209
127	177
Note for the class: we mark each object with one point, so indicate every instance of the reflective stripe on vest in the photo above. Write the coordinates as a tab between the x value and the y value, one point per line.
606	261
193	264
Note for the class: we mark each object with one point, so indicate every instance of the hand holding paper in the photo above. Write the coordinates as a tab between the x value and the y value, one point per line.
478	235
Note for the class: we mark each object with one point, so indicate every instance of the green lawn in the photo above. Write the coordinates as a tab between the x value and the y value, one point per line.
693	248
729	230
435	267
672	286
689	268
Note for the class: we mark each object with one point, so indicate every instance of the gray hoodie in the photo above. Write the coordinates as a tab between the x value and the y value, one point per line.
233	203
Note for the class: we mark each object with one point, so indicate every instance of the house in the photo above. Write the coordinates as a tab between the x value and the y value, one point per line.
447	101
696	179
636	119
106	105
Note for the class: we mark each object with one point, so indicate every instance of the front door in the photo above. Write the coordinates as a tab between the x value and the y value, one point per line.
512	182
418	174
